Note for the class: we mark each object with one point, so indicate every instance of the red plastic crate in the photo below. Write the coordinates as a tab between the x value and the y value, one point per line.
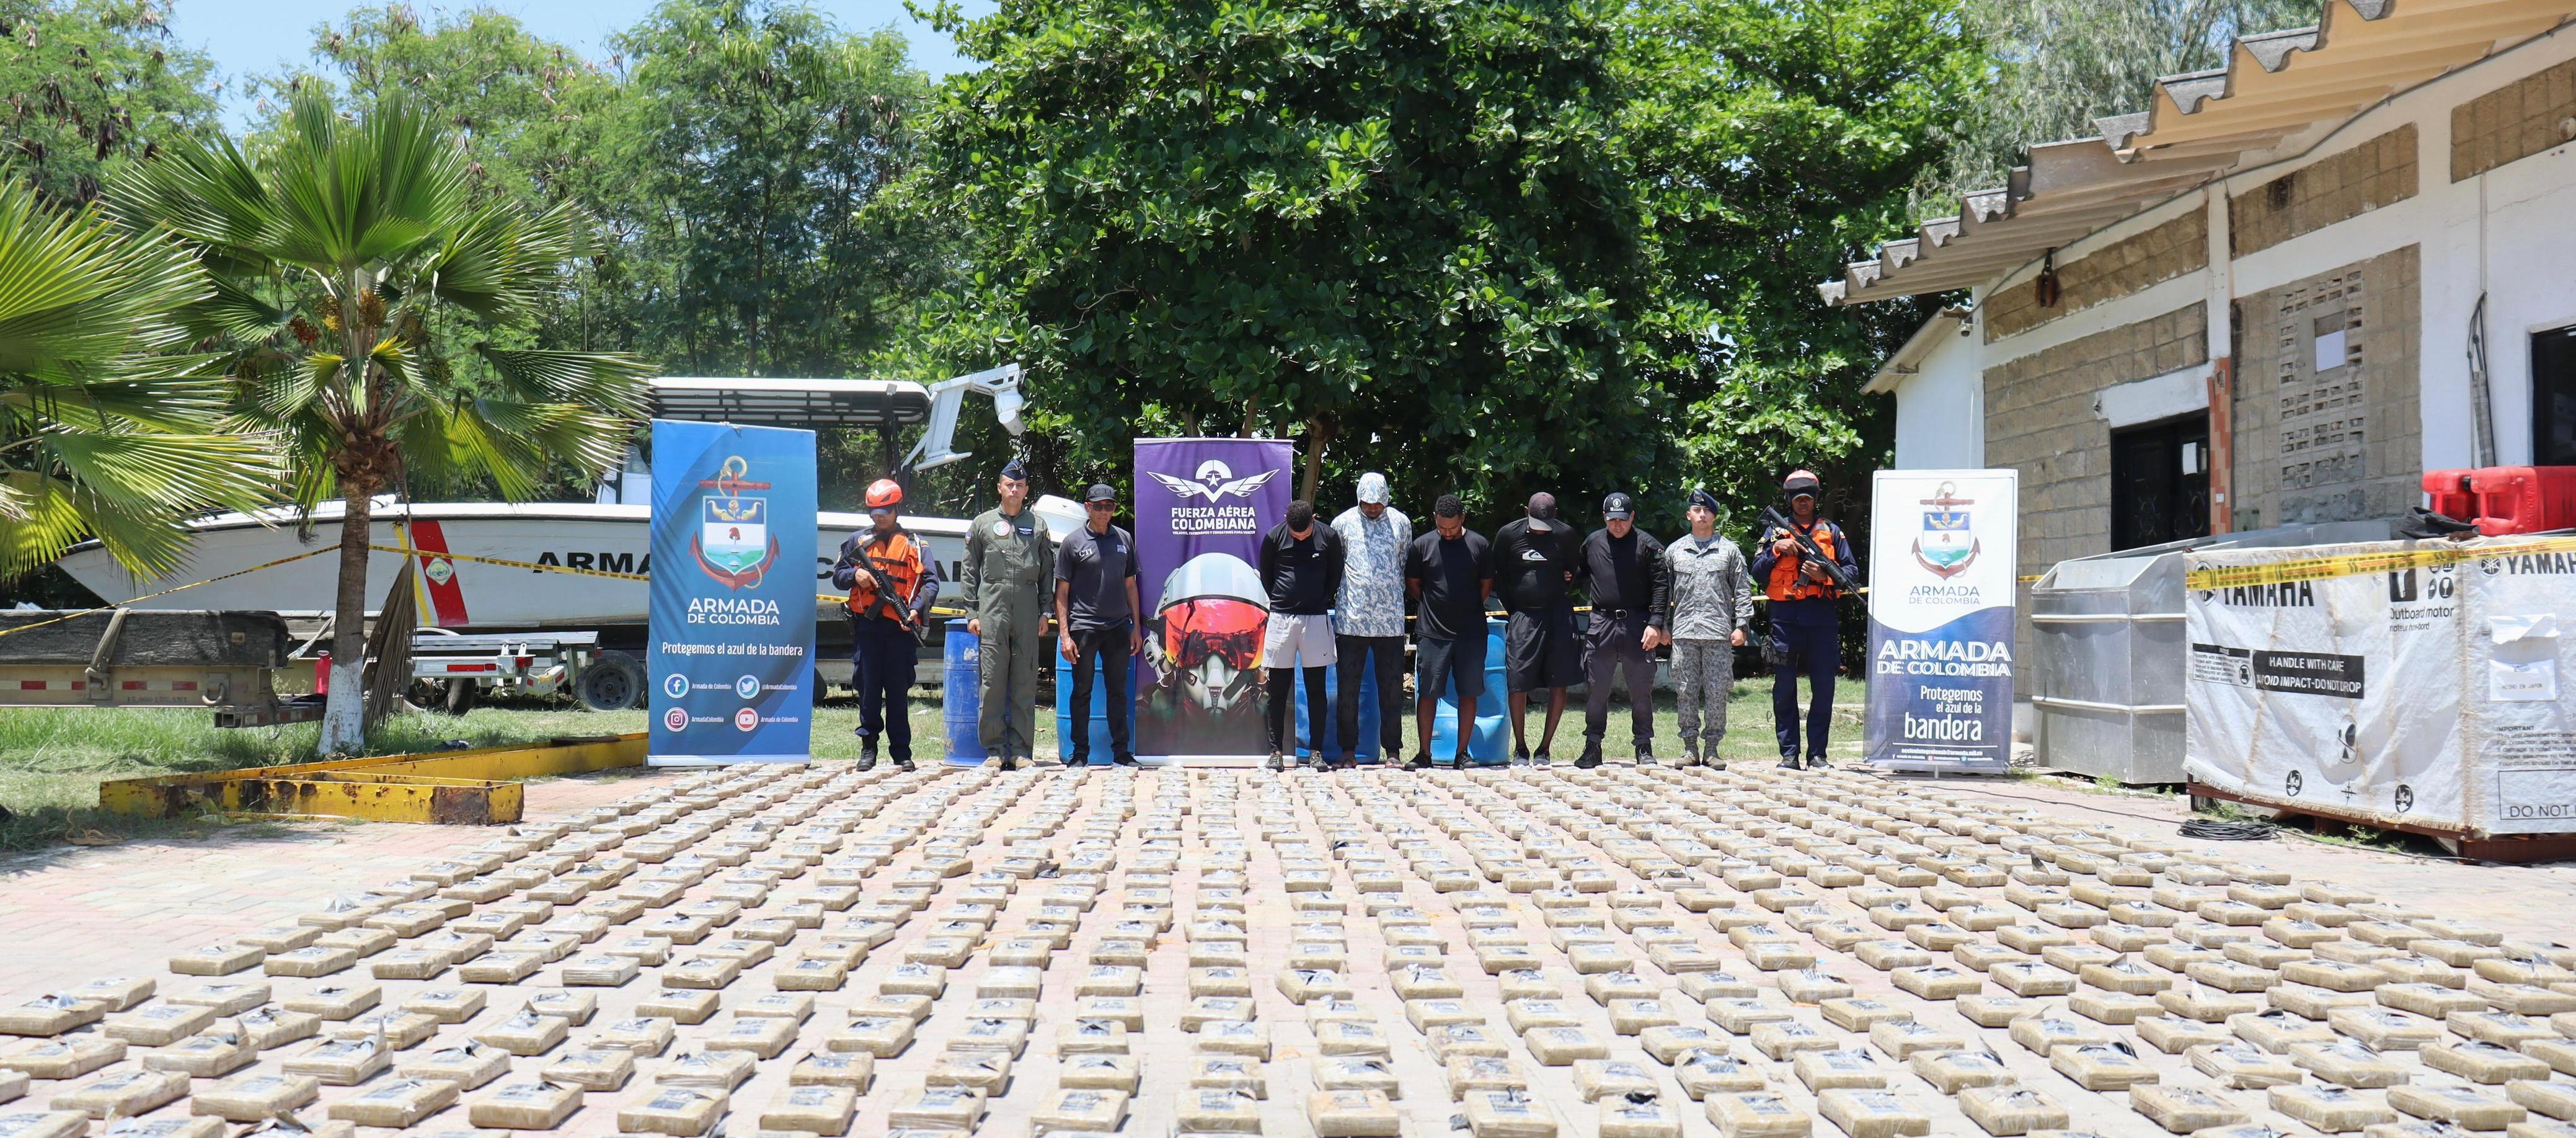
2506	499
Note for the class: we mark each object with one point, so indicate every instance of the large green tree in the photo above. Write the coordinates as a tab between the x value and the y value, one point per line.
337	251
87	85
1777	142
1406	227
753	136
2060	64
729	149
1483	245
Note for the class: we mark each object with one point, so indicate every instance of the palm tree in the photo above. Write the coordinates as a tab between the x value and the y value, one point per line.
100	435
344	256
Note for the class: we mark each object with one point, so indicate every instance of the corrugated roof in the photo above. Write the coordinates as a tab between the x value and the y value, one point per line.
2196	125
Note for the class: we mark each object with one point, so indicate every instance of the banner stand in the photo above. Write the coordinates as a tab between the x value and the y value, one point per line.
1942	592
731	659
1202	506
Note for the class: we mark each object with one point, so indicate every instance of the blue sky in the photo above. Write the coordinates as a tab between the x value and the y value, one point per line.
247	37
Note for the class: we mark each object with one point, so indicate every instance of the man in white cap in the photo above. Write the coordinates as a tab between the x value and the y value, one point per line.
1368	618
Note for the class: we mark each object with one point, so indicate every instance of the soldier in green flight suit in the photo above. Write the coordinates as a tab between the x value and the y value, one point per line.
1009	560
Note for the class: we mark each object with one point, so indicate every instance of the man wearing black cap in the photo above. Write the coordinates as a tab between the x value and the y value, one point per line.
1095	607
1450	574
1805	623
1622	569
1712	606
1534	558
1008	559
1301	568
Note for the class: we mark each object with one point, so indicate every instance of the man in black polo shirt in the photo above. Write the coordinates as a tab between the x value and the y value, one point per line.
1095	609
1534	558
1450	573
1623	571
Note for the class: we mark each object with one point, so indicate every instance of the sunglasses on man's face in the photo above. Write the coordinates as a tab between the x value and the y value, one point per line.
1102	505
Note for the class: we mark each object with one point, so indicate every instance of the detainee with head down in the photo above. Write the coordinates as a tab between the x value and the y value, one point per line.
1368	619
1534	558
1450	574
1301	570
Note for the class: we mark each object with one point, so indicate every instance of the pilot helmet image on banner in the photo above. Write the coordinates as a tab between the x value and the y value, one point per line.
1212	614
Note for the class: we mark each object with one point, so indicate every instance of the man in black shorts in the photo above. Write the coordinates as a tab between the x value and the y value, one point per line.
1450	573
1534	558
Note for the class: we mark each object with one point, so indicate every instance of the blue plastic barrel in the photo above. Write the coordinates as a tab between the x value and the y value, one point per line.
1097	723
957	697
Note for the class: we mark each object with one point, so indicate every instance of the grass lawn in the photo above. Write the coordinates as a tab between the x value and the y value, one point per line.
51	761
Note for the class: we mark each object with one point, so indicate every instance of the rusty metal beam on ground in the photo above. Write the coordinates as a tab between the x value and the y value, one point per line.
470	787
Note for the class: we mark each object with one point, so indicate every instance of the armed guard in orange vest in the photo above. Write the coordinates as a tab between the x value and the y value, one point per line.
1805	566
890	591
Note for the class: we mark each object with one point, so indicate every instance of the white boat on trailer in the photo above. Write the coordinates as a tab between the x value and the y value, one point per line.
490	567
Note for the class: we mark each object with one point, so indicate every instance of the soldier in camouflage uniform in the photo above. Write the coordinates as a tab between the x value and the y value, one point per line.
1712	603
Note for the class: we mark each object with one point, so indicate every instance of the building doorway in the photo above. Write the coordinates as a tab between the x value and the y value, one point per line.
2553	397
2160	482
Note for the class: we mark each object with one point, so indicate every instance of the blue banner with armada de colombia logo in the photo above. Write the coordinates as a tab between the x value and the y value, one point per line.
732	620
1941	598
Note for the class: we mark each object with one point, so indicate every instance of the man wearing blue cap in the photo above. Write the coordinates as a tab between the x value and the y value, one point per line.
1009	560
1712	604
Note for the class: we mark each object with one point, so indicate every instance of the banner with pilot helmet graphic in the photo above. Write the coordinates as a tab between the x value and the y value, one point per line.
731	662
1941	597
1201	508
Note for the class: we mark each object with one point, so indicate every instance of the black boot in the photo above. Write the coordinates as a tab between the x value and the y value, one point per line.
1591	756
867	751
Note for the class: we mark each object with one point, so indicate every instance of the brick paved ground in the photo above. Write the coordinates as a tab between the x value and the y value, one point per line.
1288	868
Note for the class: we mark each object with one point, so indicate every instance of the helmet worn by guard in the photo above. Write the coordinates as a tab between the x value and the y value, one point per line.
885	494
1801	482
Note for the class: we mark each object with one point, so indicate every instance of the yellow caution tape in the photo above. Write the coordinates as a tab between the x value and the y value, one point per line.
173	589
504	561
829	598
2358	564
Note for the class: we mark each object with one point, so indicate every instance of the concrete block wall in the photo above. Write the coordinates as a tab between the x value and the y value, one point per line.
2344	442
2040	420
2116	270
2376	173
2514	122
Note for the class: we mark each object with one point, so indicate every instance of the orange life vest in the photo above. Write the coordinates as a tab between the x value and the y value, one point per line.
900	558
1787	583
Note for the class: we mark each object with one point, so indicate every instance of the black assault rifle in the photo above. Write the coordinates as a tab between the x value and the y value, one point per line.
885	593
1833	569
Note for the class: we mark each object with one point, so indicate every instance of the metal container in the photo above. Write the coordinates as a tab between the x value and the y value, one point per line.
2109	653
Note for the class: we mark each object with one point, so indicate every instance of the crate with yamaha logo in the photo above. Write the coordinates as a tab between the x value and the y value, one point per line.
2406	685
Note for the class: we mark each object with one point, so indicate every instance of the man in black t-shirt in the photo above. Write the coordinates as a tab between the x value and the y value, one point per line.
1534	559
1449	572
